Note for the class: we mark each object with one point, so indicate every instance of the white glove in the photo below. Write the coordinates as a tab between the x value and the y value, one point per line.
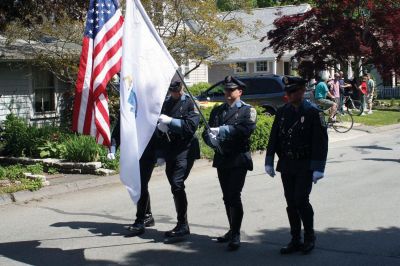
111	154
270	170
213	139
162	127
316	176
160	161
165	119
214	130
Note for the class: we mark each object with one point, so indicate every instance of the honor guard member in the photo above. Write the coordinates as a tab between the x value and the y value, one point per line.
178	123
299	138
232	124
144	217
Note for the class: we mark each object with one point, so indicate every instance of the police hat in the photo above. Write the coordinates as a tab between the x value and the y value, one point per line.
293	83
231	83
175	86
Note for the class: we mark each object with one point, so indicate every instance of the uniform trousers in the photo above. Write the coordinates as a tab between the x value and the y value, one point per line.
177	171
143	205
297	187
232	182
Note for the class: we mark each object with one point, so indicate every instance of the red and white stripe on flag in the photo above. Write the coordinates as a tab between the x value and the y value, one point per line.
100	61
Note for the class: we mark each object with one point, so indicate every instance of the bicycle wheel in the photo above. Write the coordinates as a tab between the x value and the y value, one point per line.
355	107
344	122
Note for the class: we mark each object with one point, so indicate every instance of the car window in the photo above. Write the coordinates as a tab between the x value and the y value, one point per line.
217	91
261	86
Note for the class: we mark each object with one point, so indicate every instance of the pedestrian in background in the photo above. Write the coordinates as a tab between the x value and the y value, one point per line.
370	92
299	137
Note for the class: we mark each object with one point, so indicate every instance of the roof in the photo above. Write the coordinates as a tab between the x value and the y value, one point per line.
22	50
247	47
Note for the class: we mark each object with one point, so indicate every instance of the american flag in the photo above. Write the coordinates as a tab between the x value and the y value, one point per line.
100	61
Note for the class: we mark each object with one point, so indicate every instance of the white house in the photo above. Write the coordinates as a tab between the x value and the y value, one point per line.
25	90
248	58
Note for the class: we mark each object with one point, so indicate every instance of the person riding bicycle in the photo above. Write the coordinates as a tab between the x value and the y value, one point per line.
321	93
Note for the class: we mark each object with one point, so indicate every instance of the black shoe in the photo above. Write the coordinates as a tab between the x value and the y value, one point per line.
234	242
292	247
179	231
136	228
308	246
149	220
225	238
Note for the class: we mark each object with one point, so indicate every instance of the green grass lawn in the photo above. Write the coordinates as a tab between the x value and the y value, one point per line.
379	118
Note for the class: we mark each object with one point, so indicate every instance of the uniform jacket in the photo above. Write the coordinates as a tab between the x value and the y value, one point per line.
299	138
182	142
236	125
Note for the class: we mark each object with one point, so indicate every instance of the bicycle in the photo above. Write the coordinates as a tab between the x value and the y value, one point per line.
341	122
355	107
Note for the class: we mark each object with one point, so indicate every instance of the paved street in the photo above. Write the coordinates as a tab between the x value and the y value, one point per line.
357	217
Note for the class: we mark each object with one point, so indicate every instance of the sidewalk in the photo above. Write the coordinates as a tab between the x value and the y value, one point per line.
65	183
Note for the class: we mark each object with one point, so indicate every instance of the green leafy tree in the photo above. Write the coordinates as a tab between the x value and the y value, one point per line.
230	5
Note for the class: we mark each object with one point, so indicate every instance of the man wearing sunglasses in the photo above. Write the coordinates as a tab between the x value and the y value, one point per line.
299	137
231	125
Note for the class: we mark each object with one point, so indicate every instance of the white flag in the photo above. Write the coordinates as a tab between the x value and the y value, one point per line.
147	71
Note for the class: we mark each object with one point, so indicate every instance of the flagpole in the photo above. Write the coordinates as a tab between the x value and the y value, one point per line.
198	108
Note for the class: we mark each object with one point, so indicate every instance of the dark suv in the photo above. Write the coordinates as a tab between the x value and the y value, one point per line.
266	91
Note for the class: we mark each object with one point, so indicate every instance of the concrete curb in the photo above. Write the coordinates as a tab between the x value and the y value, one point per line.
48	191
25	196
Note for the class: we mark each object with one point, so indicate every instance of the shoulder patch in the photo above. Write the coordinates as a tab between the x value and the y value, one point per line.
253	114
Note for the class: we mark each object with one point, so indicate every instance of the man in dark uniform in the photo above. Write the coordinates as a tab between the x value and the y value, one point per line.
178	123
232	124
299	138
144	217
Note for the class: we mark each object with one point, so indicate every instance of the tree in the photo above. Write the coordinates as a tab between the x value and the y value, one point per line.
230	5
334	31
268	3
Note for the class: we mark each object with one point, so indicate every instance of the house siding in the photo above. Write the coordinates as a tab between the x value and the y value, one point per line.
17	95
15	91
198	75
218	72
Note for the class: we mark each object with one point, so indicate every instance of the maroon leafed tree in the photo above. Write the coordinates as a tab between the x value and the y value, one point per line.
332	31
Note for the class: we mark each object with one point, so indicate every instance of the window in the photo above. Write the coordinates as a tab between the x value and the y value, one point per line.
286	68
261	66
241	67
43	86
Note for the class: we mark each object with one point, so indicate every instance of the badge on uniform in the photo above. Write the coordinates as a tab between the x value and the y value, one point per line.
253	115
322	119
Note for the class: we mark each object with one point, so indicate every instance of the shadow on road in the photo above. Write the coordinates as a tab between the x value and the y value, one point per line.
334	247
373	147
382	160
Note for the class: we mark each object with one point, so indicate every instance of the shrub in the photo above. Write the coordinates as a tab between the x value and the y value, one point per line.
259	138
35	168
14	172
2	173
197	88
23	140
52	150
15	136
81	148
109	164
